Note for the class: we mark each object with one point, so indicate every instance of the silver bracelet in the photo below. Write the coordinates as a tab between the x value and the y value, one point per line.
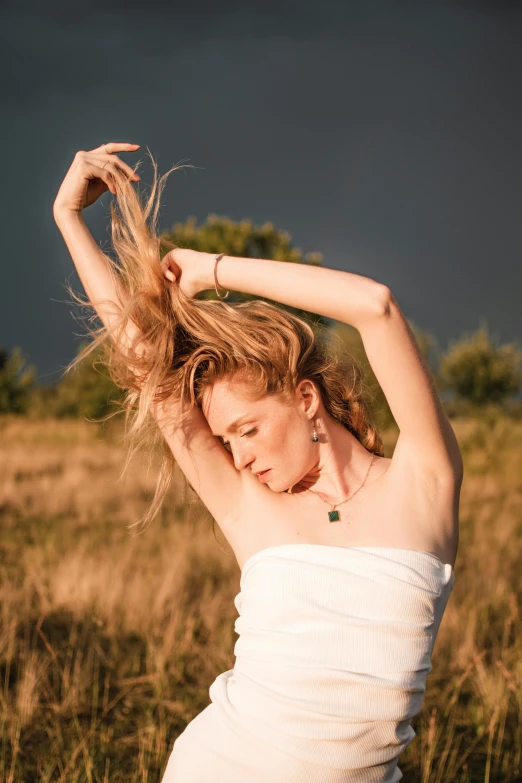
218	258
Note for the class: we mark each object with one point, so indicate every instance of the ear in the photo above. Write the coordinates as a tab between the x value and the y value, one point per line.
308	396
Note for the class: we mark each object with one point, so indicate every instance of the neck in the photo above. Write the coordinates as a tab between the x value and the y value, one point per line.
341	467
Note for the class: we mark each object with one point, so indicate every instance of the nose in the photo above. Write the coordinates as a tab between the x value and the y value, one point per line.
242	459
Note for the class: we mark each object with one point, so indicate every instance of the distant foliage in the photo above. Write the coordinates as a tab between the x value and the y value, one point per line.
85	392
479	371
239	238
16	381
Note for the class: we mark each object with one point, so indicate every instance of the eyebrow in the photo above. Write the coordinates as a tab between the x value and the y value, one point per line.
234	424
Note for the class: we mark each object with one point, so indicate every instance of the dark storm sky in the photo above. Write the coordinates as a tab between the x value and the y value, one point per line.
386	135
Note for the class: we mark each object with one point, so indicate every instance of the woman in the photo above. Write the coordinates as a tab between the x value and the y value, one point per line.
346	556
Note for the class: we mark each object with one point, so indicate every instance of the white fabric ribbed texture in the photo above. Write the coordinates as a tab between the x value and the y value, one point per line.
333	652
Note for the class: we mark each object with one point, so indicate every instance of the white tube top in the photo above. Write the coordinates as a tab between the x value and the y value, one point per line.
333	652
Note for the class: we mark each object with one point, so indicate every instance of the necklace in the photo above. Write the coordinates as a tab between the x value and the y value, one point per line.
333	514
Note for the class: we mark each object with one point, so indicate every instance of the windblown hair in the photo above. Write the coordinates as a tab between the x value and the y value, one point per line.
188	344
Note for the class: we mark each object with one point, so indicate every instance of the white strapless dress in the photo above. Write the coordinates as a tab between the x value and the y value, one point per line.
333	652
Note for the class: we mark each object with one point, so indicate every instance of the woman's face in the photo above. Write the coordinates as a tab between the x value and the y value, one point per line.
268	433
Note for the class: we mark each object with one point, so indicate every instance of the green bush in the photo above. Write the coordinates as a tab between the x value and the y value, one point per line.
16	381
85	392
480	372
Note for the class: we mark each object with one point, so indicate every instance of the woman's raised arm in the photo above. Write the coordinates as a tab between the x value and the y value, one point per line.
426	440
333	293
208	467
101	284
87	179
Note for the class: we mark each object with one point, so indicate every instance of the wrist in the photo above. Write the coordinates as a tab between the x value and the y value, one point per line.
208	261
63	216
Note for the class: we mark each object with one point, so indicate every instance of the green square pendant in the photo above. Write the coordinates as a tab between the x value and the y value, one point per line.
333	516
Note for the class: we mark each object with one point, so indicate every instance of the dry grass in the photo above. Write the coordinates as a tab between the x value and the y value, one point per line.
110	640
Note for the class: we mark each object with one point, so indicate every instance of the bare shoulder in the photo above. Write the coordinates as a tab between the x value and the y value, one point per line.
402	506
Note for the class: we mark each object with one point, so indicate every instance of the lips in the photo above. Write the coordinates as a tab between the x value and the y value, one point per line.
262	473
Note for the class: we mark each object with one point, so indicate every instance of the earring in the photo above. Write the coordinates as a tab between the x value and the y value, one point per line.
315	438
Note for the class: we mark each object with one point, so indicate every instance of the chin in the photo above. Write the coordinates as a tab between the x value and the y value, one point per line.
288	488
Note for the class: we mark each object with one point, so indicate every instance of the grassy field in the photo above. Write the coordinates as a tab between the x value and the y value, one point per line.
109	639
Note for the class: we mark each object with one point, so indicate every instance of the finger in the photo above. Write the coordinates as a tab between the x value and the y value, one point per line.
167	272
112	171
92	169
122	165
109	163
165	262
115	146
102	169
105	175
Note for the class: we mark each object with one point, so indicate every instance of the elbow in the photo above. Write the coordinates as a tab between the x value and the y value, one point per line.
384	300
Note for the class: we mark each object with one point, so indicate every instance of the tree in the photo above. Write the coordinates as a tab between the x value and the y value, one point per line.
16	381
245	240
481	372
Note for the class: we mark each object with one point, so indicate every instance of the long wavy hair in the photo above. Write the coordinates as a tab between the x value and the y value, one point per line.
179	346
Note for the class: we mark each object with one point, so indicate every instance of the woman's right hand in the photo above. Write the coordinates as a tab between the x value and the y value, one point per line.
86	180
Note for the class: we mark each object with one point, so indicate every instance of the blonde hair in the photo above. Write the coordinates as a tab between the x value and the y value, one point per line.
191	343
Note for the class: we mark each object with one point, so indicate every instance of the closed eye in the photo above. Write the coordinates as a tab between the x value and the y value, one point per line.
226	444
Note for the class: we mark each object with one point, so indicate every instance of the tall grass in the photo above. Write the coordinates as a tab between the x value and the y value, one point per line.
109	640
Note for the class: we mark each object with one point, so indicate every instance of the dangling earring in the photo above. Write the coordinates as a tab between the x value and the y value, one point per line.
315	438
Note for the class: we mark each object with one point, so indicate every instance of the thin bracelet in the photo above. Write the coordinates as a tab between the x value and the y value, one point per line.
218	258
